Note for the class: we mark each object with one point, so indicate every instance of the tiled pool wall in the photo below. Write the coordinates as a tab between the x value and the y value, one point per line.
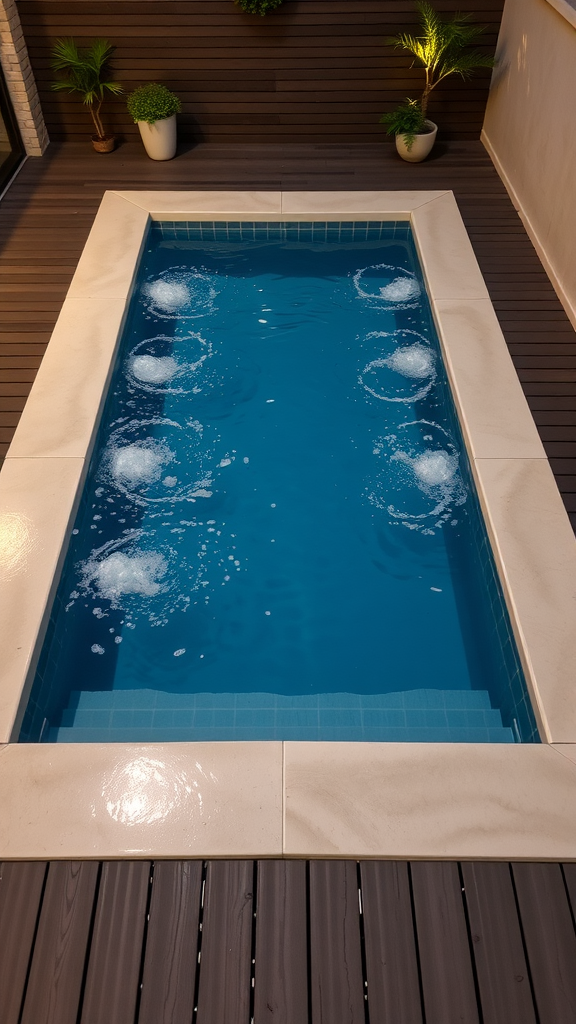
136	714
281	231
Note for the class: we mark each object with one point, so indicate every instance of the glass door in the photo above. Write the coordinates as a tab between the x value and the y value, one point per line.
11	148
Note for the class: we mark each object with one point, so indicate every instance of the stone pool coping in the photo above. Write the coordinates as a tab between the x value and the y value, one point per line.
413	800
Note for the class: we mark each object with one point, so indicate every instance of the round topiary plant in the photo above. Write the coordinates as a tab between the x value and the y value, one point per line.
152	102
258	6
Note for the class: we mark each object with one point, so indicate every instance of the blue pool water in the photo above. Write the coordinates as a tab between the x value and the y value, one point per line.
279	536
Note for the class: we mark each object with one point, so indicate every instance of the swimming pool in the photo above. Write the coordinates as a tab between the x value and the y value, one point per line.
279	536
288	798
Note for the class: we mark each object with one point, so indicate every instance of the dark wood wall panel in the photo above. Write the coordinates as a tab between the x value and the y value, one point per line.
313	69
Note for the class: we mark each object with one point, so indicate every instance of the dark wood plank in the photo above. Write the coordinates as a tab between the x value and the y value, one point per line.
336	979
58	961
116	952
550	940
169	974
391	964
310	70
445	960
281	968
21	887
226	953
501	968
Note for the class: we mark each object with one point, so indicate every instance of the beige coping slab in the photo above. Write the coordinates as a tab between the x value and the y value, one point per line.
37	502
182	205
429	800
493	412
126	800
73	376
534	546
533	542
110	257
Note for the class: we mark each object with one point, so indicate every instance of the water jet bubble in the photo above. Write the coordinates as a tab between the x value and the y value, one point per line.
435	468
139	453
401	289
405	370
154	369
387	287
169	365
419	482
181	293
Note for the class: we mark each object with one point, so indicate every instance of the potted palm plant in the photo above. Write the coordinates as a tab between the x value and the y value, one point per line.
441	49
85	72
153	108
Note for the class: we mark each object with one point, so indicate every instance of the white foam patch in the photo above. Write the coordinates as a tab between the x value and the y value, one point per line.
180	293
156	461
401	289
169	365
154	369
97	649
167	295
435	469
415	361
412	361
137	464
418	486
120	574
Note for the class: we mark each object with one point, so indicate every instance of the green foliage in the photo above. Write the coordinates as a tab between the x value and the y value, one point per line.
258	6
441	47
152	102
407	120
85	72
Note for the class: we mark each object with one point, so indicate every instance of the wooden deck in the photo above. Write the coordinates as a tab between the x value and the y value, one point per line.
287	942
46	215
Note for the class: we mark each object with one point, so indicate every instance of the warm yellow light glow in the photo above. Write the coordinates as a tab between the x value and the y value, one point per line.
16	542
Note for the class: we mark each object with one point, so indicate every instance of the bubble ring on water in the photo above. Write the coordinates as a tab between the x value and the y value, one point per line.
445	493
391	360
180	293
134	578
121	569
384	297
172	383
159	448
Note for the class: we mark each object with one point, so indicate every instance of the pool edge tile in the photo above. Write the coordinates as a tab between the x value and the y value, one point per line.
429	801
164	800
109	259
492	408
37	501
181	205
535	551
73	379
445	250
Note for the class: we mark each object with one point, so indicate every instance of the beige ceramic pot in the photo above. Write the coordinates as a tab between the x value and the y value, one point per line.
420	147
159	138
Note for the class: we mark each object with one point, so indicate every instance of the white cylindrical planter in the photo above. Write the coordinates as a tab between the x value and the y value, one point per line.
159	138
420	147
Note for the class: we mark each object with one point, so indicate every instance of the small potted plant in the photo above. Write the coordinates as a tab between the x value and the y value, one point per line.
84	72
153	108
441	50
415	135
258	6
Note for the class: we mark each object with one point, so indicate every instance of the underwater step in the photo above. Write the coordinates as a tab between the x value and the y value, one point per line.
410	716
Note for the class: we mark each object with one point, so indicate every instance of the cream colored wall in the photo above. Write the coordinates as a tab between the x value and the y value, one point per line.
530	130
